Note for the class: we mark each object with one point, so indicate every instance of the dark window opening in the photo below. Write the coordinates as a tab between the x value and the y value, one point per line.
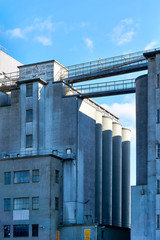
7	232
21	230
56	176
29	90
34	230
56	203
29	115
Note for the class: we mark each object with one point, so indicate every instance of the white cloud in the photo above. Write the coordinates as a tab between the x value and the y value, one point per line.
123	32
89	43
151	45
84	24
44	40
16	32
37	30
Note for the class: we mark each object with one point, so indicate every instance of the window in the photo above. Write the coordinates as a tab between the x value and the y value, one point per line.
158	116
158	221
7	232
57	176
35	203
21	230
157	150
56	203
7	177
35	175
21	177
68	150
29	90
34	230
158	186
29	115
21	203
28	141
7	204
157	81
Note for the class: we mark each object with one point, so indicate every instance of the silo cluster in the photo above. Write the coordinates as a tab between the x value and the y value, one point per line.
112	173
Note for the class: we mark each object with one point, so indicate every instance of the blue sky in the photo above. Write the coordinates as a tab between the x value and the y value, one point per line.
79	31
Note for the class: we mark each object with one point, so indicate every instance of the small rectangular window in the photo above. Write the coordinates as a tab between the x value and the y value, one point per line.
29	90
158	221
56	176
158	116
21	230
21	176
35	175
7	204
7	177
28	141
157	81
34	230
35	203
7	231
157	150
21	203
158	186
29	115
56	203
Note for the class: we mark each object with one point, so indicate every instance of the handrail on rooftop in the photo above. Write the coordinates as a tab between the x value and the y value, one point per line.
3	49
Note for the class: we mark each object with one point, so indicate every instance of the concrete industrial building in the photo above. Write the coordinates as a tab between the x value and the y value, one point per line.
65	161
146	194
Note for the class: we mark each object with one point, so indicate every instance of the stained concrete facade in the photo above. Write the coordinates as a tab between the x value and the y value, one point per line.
145	195
65	134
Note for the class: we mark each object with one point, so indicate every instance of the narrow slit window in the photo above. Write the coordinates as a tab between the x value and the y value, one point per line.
29	90
158	221
28	141
157	81
157	150
158	186
158	116
29	115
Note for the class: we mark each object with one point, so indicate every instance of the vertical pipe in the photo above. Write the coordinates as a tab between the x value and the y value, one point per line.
126	189
107	171
117	175
98	168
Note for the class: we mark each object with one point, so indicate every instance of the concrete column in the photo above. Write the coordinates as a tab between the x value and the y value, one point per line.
126	189
98	168
117	175
107	171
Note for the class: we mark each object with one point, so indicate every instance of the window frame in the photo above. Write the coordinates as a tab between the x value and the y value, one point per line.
157	150
20	204
35	204
29	141
21	225
57	174
7	183
7	209
29	115
22	177
35	176
158	186
29	90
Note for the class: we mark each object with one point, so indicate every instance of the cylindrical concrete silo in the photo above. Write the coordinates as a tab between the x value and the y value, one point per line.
141	129
126	189
98	168
107	171
117	175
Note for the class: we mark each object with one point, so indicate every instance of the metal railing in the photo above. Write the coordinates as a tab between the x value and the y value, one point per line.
117	86
3	49
103	65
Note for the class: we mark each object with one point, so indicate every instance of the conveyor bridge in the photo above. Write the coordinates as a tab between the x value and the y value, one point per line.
118	87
